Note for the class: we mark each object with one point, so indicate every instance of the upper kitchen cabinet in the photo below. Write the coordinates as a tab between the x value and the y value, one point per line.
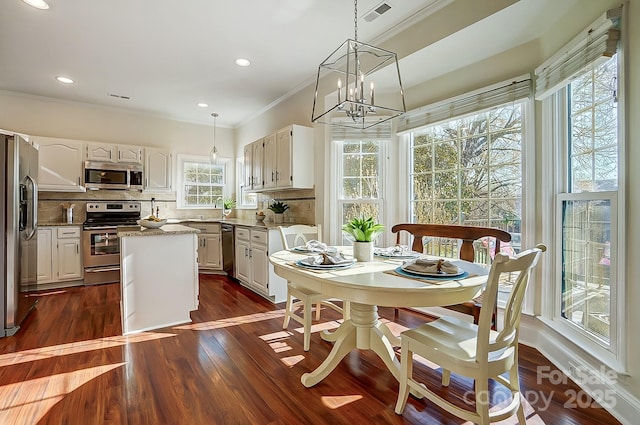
113	153
290	159
157	170
60	164
285	159
253	159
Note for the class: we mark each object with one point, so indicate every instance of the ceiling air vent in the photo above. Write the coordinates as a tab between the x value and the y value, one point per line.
119	96
376	12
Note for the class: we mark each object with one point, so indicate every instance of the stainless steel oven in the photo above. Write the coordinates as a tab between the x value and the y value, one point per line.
100	243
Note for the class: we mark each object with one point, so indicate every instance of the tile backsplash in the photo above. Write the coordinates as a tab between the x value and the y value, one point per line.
50	207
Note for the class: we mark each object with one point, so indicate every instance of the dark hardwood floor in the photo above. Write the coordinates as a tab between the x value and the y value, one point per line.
233	365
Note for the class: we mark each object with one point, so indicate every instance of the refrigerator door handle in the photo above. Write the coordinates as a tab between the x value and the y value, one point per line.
34	208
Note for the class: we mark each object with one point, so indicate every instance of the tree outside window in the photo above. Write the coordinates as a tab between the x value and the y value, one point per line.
360	173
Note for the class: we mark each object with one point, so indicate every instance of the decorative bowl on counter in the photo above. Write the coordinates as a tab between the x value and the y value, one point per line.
260	217
151	224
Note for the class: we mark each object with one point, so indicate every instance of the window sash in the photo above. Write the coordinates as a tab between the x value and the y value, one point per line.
217	189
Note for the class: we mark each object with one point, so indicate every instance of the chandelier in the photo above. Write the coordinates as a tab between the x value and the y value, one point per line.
213	155
345	85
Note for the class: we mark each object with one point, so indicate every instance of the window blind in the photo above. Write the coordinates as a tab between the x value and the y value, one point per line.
597	42
380	131
486	98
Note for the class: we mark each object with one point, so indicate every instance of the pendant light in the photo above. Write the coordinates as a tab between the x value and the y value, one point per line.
213	155
346	88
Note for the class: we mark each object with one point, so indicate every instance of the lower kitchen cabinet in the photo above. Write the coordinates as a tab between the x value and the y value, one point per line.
59	255
209	246
253	270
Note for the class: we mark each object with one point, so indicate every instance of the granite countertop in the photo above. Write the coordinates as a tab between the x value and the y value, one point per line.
166	230
233	221
56	224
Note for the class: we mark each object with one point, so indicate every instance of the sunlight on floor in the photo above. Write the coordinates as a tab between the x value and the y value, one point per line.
28	401
77	347
339	401
292	360
231	321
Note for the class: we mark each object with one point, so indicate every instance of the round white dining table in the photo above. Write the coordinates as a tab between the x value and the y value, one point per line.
368	285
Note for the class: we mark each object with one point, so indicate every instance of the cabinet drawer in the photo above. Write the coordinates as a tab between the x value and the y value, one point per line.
242	233
68	232
258	236
206	227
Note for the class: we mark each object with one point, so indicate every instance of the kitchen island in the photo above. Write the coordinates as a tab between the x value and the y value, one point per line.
159	276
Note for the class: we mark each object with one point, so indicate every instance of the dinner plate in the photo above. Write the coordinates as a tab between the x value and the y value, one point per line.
302	249
432	274
443	276
324	266
399	255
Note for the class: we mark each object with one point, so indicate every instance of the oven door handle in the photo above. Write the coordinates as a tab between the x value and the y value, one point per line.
101	269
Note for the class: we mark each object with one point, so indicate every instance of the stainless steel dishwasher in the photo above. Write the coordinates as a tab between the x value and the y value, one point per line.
228	250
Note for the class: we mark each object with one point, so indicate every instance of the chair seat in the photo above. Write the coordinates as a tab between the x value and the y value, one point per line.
448	336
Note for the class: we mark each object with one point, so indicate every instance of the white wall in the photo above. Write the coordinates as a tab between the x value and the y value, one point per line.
37	116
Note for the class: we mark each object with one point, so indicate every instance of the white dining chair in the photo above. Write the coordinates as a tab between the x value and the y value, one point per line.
472	350
297	235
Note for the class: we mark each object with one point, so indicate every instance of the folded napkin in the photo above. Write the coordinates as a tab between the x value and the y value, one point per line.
432	266
328	259
392	250
315	246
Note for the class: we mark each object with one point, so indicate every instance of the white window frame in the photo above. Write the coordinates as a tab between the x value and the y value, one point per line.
180	160
555	151
336	233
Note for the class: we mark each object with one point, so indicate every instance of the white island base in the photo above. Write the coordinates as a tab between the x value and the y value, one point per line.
159	275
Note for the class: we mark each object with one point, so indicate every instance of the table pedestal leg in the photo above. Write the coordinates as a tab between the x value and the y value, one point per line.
364	331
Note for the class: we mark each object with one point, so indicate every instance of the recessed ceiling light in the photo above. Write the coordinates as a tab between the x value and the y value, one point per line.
202	104
38	4
65	80
242	62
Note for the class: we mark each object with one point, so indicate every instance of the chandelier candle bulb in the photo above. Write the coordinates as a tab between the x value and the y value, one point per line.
339	90
371	93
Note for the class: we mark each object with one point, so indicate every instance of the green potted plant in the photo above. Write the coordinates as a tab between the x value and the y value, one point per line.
278	209
364	231
228	204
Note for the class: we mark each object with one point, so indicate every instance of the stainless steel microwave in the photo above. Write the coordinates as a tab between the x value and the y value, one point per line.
107	175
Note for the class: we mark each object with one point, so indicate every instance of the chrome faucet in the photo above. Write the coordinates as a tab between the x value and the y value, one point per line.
219	198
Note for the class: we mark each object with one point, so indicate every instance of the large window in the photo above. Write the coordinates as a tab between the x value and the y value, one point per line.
588	208
359	176
201	184
469	170
580	88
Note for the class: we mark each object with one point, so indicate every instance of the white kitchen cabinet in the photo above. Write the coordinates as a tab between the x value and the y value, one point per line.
270	162
60	163
127	153
294	157
253	269
113	153
157	170
247	178
209	246
282	160
59	254
257	164
45	254
253	165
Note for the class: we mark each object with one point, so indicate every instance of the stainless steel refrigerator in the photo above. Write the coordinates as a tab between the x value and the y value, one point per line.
19	217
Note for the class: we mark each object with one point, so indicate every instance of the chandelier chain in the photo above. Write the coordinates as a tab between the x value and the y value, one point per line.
355	19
